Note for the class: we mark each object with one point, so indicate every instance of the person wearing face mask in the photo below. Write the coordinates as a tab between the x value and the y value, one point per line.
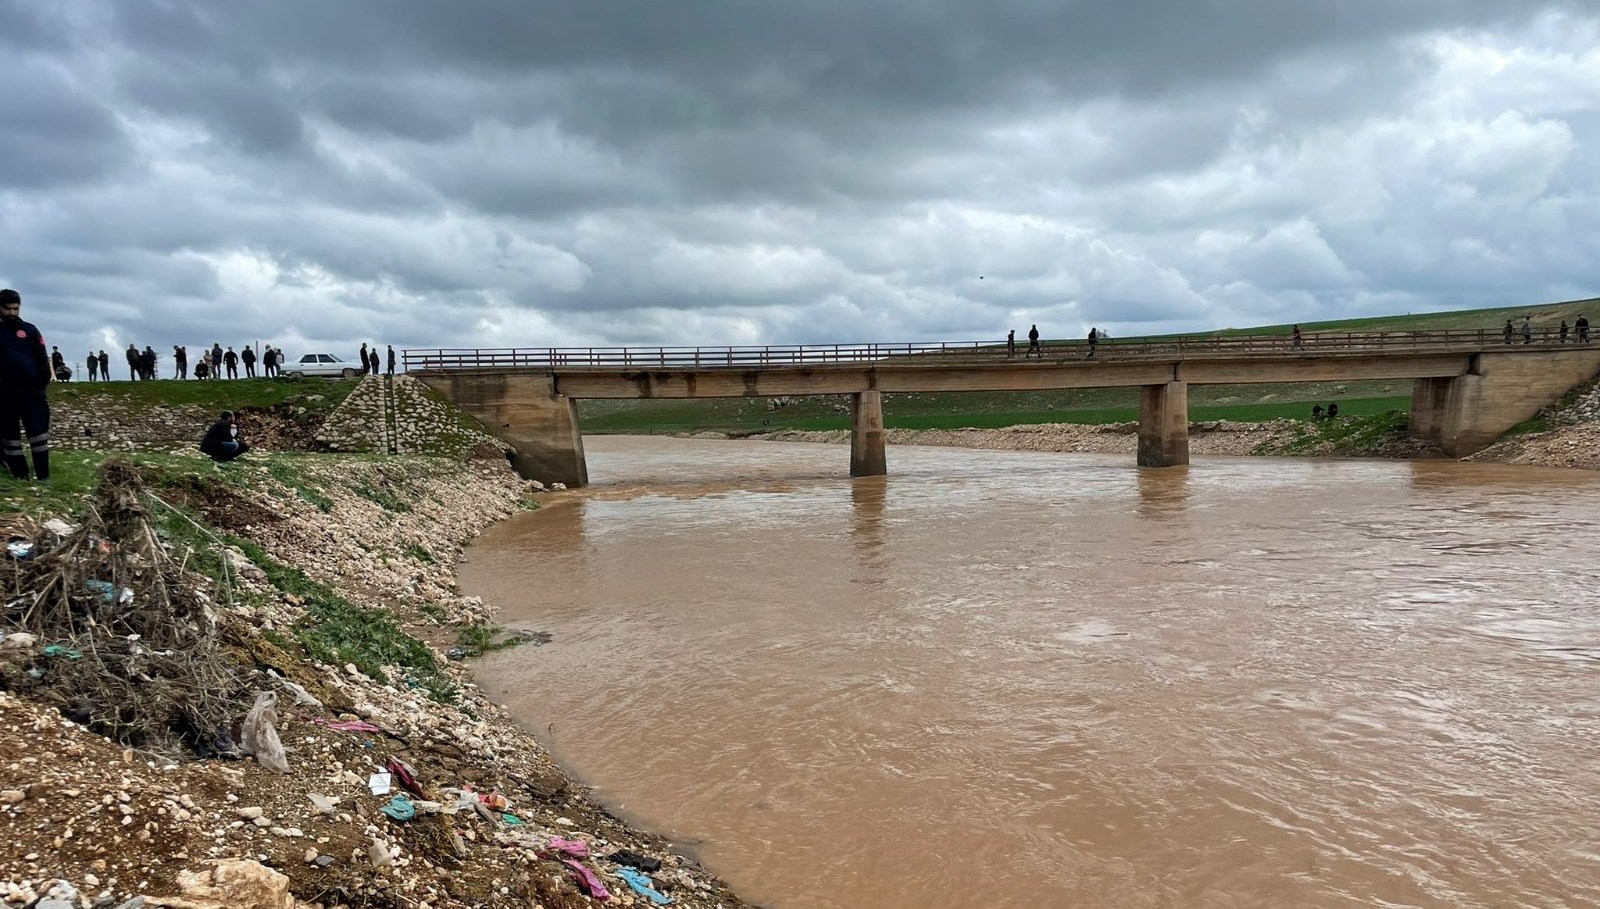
222	441
24	373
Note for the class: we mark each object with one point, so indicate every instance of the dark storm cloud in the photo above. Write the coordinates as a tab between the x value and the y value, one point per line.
607	170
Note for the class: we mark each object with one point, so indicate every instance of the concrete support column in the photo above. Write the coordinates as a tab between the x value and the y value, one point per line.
867	457
1164	425
1429	403
524	410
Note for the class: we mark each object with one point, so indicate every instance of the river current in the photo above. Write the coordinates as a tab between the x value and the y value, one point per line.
1000	679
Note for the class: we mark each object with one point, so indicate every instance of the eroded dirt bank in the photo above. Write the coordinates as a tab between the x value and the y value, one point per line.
330	558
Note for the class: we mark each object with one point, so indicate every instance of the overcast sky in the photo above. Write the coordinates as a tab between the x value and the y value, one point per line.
315	173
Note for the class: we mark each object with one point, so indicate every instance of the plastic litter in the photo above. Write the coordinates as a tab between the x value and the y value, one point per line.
20	549
378	853
511	819
587	881
574	848
62	650
378	783
18	640
346	725
259	735
400	808
322	861
641	884
302	697
109	592
495	801
59	527
323	803
406	776
629	857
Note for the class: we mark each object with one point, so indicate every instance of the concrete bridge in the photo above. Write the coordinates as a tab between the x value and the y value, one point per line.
1469	387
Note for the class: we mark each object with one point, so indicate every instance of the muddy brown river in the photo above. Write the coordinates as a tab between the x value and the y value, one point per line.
1002	679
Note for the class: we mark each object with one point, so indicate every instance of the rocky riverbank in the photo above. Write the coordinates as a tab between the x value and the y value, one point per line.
315	577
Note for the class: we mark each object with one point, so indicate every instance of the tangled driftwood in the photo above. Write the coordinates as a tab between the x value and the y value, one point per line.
126	638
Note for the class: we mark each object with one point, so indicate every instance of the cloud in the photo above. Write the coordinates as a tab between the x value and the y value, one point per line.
611	172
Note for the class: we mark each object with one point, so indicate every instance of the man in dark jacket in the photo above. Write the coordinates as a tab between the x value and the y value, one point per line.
132	356
372	360
105	366
232	359
93	363
391	359
57	361
249	358
24	373
147	361
362	358
180	361
216	360
222	440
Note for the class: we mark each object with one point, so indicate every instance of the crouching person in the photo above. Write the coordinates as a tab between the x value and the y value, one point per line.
222	441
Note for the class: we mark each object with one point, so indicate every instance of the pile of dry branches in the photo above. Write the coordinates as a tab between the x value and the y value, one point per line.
126	638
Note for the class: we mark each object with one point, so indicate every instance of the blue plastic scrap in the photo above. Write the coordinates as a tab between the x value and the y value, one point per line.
641	884
400	808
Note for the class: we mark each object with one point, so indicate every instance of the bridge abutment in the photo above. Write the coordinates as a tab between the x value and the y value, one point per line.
1467	413
524	410
867	455
1164	425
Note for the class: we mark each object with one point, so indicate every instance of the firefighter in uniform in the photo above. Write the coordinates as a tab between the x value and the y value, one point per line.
24	373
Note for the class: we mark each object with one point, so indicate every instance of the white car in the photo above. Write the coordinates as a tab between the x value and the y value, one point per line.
321	365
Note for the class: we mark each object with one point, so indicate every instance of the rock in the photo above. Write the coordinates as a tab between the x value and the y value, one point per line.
12	796
558	487
59	527
232	884
250	813
20	640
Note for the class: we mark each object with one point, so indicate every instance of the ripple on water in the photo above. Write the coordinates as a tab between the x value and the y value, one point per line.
1017	679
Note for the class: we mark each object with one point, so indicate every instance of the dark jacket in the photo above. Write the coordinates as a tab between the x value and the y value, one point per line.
24	359
230	358
217	434
248	355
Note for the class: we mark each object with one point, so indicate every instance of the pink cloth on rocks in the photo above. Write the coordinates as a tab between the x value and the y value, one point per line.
574	848
588	880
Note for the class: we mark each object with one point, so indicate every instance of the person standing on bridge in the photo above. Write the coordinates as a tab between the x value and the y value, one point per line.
1582	325
1011	343
1509	331
1033	342
1295	338
1527	330
391	358
1094	339
1564	331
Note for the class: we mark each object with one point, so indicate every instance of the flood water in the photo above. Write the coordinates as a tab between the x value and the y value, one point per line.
1003	679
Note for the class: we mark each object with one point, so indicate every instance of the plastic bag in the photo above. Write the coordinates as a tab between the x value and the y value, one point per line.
259	736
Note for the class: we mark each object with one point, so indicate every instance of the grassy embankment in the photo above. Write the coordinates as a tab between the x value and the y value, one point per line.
982	410
333	630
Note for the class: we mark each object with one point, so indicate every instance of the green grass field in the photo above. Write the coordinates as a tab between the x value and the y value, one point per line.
220	394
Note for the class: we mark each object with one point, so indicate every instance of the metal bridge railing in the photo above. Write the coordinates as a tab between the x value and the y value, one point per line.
944	352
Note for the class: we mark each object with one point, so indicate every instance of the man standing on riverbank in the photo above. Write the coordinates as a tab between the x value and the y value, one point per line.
1011	344
93	364
180	360
1527	330
1094	339
248	355
391	358
1582	325
24	373
1033	343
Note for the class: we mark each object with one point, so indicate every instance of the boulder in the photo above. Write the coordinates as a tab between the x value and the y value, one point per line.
232	884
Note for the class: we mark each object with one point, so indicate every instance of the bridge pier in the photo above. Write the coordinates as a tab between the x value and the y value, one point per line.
867	456
524	410
1467	413
1164	425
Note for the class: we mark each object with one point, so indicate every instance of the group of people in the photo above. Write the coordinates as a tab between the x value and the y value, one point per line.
1317	413
369	360
213	363
1579	327
1094	337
